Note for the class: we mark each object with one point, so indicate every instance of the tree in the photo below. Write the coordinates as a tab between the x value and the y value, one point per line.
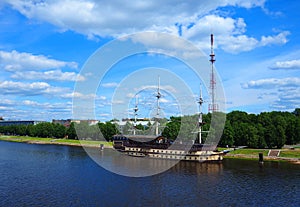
238	117
21	130
172	129
296	112
280	126
108	130
227	138
71	132
261	138
252	137
290	132
269	135
59	131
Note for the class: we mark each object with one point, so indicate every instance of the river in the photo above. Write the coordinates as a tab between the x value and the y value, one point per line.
52	175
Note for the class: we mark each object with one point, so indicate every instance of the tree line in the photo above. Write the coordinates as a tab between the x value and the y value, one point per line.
264	130
267	129
58	131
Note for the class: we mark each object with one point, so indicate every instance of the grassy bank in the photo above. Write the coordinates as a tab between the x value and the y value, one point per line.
70	142
285	154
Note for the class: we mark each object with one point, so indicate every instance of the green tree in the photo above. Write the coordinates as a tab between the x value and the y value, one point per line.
280	126
21	130
59	131
227	138
261	138
108	130
252	136
296	112
172	129
269	135
71	132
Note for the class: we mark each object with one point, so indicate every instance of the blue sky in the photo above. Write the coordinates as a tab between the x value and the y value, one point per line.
45	44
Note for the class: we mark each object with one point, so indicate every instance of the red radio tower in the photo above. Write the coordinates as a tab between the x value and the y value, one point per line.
213	107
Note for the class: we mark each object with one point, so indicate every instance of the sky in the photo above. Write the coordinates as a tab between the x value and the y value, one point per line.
46	47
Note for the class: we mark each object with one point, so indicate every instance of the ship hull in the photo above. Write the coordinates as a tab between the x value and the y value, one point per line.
196	156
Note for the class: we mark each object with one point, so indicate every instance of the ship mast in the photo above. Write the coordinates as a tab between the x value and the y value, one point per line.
135	115
200	120
158	95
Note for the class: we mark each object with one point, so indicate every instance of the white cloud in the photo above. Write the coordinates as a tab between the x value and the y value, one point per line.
19	109
229	34
289	64
53	75
29	89
287	99
109	85
6	102
279	39
153	88
116	18
78	95
106	18
272	83
13	61
163	100
284	93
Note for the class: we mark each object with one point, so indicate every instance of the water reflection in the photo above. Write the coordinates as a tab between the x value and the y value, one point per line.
44	175
143	166
199	168
122	164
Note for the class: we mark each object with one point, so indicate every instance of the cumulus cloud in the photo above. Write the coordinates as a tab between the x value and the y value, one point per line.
284	93
78	95
287	99
279	39
105	18
53	75
229	34
289	64
30	89
14	61
110	85
192	20
13	109
272	83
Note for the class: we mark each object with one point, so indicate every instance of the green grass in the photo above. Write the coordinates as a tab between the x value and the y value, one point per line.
250	151
54	141
286	153
290	153
24	138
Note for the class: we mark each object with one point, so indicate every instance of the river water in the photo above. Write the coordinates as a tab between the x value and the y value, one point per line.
51	175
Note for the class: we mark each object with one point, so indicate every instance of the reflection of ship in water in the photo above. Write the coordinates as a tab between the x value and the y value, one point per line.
199	168
159	147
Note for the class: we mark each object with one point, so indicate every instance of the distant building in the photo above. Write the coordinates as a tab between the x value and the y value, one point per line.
89	121
121	124
10	123
67	122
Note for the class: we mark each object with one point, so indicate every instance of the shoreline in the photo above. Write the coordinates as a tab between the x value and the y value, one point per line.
65	142
108	145
266	158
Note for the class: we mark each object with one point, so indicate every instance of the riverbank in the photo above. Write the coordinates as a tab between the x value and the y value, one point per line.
285	154
68	142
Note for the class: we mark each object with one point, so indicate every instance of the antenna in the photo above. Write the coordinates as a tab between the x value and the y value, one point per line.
213	107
